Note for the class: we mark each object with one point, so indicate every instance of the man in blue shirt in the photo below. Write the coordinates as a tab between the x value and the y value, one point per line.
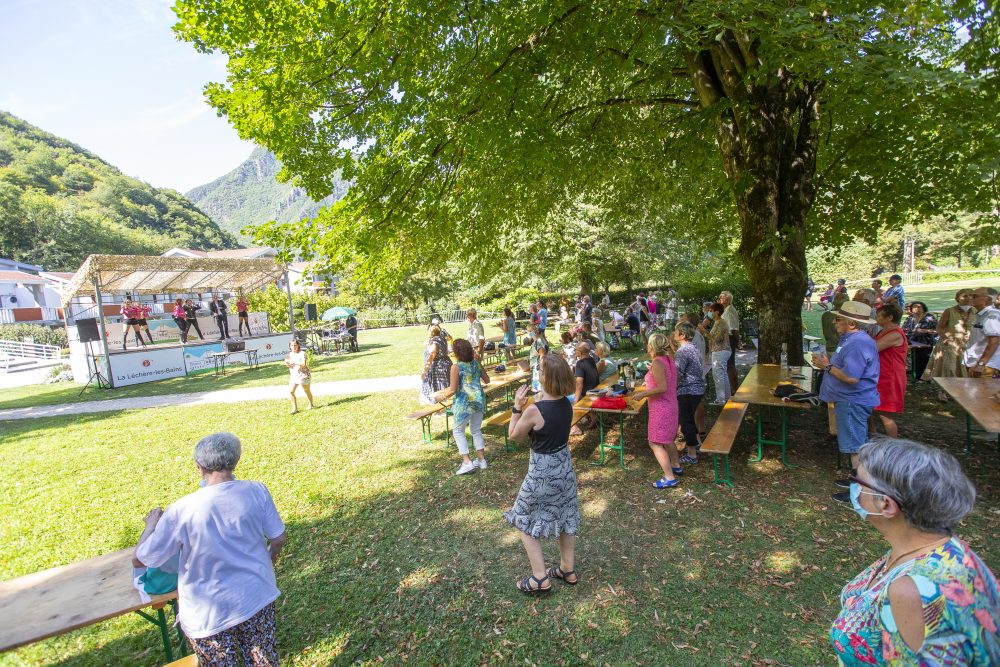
543	318
851	383
895	292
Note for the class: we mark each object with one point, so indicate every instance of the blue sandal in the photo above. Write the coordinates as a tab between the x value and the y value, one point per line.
664	483
677	471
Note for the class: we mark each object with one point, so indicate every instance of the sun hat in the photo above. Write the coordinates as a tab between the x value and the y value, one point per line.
857	311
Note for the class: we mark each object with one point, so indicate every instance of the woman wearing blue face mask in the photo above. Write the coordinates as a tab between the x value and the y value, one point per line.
930	600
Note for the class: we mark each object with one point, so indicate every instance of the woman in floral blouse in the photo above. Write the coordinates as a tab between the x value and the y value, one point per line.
929	600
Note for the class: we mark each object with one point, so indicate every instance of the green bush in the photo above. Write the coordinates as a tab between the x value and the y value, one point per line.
35	333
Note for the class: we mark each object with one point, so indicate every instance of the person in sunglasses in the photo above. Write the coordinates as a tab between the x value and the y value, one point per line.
930	600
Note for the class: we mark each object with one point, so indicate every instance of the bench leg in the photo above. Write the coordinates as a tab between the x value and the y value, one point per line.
160	621
508	445
447	428
425	430
726	479
761	440
600	423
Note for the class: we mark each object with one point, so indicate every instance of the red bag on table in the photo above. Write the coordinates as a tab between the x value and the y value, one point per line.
609	403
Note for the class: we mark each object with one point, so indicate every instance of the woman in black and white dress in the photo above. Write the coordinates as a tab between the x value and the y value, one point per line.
546	505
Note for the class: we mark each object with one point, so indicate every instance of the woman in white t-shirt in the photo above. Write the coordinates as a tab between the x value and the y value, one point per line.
298	373
228	534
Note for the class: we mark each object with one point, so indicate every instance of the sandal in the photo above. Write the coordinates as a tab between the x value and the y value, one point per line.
524	585
556	572
664	483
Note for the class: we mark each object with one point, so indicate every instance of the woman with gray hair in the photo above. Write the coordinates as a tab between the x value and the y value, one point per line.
229	535
930	600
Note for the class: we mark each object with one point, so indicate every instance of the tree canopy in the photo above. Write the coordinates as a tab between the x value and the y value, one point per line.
759	126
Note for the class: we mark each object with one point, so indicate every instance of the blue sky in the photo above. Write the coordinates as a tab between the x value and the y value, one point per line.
110	76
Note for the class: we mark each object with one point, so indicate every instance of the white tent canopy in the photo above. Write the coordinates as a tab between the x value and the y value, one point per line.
138	274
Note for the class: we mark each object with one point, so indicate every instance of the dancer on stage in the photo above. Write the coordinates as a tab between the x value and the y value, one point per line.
242	312
179	319
144	311
130	320
191	317
221	312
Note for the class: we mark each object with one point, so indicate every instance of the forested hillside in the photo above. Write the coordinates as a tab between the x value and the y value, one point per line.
251	194
60	203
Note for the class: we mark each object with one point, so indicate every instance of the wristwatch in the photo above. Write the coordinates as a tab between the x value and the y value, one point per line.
516	411
828	367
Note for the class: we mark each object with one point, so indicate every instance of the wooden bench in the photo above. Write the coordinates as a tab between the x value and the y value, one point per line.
53	602
189	661
424	415
502	420
719	441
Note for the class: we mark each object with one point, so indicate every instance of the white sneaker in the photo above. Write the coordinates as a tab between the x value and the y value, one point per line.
466	468
481	463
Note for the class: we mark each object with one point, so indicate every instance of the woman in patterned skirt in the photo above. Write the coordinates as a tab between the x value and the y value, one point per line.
661	392
929	600
546	505
437	367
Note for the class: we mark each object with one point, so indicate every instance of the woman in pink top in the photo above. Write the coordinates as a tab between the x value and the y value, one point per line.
130	321
179	320
142	312
661	392
242	307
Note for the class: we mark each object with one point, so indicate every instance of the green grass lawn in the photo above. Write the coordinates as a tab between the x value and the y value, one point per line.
392	559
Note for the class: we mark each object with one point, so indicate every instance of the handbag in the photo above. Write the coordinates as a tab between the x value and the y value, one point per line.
163	579
610	403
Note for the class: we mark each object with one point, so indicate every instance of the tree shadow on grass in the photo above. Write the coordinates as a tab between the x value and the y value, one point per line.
423	571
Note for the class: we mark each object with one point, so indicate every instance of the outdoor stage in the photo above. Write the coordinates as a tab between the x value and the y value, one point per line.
102	350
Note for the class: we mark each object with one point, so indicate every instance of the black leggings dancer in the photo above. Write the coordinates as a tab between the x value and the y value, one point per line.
182	326
194	323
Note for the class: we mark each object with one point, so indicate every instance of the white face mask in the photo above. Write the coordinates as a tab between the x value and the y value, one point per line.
966	307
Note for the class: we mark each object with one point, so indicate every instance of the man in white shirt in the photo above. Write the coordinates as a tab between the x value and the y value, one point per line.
983	350
732	320
477	336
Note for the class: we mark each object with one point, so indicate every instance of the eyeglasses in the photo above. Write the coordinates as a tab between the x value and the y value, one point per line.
877	490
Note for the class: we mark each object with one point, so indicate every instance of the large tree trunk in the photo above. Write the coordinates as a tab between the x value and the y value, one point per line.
767	138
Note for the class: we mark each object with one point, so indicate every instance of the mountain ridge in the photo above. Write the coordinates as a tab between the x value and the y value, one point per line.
251	194
60	202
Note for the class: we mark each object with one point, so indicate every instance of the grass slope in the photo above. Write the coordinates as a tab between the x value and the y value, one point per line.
393	559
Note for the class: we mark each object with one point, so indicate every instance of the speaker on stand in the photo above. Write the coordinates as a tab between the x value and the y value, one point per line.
311	314
87	329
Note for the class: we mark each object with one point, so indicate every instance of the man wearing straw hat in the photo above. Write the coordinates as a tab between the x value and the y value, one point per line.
851	382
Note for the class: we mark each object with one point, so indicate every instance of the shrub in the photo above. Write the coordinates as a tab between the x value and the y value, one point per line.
35	333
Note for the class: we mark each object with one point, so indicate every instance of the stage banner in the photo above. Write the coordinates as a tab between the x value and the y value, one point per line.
269	348
146	366
163	330
258	325
198	356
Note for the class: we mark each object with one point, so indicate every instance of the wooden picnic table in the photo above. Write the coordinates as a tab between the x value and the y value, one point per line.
756	390
976	396
56	601
632	408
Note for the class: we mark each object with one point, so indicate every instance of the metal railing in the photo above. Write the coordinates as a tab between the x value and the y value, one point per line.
18	350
